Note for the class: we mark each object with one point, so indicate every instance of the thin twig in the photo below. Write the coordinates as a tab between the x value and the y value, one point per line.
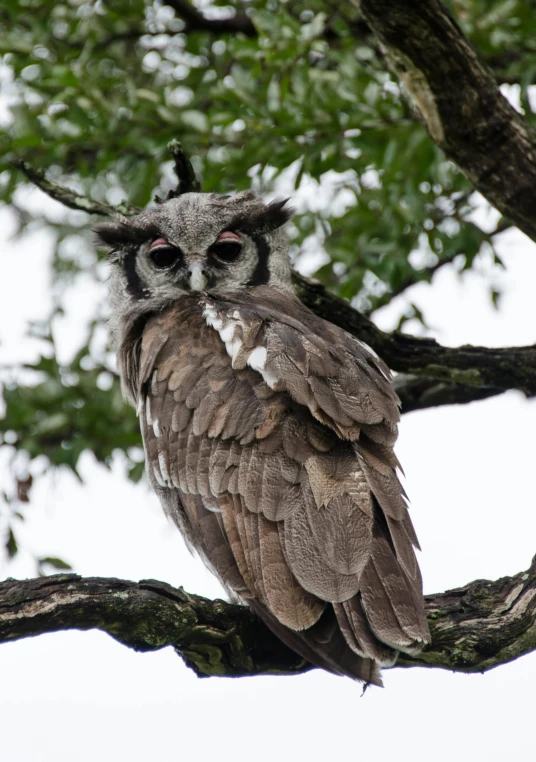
71	198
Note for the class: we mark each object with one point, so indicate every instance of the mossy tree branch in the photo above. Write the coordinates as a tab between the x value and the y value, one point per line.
474	628
481	625
213	637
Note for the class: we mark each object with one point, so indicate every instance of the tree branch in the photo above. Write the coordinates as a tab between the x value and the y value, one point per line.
68	197
481	625
213	637
474	628
195	21
460	102
420	393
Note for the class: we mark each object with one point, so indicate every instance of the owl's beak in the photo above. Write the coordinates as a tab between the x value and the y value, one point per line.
197	277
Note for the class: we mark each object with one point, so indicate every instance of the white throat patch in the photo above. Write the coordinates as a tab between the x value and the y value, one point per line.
228	329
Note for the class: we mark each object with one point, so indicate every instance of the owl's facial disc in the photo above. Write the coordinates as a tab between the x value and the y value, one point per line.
196	242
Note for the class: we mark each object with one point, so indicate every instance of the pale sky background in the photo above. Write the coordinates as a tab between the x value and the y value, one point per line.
80	697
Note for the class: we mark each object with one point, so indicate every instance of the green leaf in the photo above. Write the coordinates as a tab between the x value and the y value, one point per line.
56	563
11	544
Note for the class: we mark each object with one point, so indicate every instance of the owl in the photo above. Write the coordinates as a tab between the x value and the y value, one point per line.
268	431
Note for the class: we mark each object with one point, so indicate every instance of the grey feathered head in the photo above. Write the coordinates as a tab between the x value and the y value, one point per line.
195	242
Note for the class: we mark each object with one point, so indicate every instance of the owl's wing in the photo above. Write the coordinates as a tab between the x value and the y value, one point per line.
269	440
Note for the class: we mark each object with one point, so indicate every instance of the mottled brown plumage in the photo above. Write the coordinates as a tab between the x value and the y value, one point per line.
268	435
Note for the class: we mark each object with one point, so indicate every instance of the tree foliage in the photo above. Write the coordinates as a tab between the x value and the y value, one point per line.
274	95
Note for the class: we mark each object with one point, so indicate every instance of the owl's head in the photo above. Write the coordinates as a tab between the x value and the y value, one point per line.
195	242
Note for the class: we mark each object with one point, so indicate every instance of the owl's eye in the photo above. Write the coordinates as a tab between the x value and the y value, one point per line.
227	247
163	254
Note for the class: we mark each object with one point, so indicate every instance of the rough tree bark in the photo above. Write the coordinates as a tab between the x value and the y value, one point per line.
460	102
474	628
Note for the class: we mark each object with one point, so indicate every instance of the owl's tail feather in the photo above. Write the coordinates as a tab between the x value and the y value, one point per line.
357	633
323	645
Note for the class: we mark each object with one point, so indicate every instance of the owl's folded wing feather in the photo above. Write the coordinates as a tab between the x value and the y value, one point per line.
268	438
342	383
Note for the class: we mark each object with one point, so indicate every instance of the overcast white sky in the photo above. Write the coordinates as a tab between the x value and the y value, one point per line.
470	476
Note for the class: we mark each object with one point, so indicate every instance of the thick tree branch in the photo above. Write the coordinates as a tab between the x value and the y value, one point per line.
460	102
213	637
474	628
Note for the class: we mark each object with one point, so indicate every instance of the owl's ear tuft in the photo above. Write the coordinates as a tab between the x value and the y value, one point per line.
110	233
264	220
113	233
277	213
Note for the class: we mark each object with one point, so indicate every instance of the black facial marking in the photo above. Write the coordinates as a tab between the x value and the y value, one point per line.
261	274
134	284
